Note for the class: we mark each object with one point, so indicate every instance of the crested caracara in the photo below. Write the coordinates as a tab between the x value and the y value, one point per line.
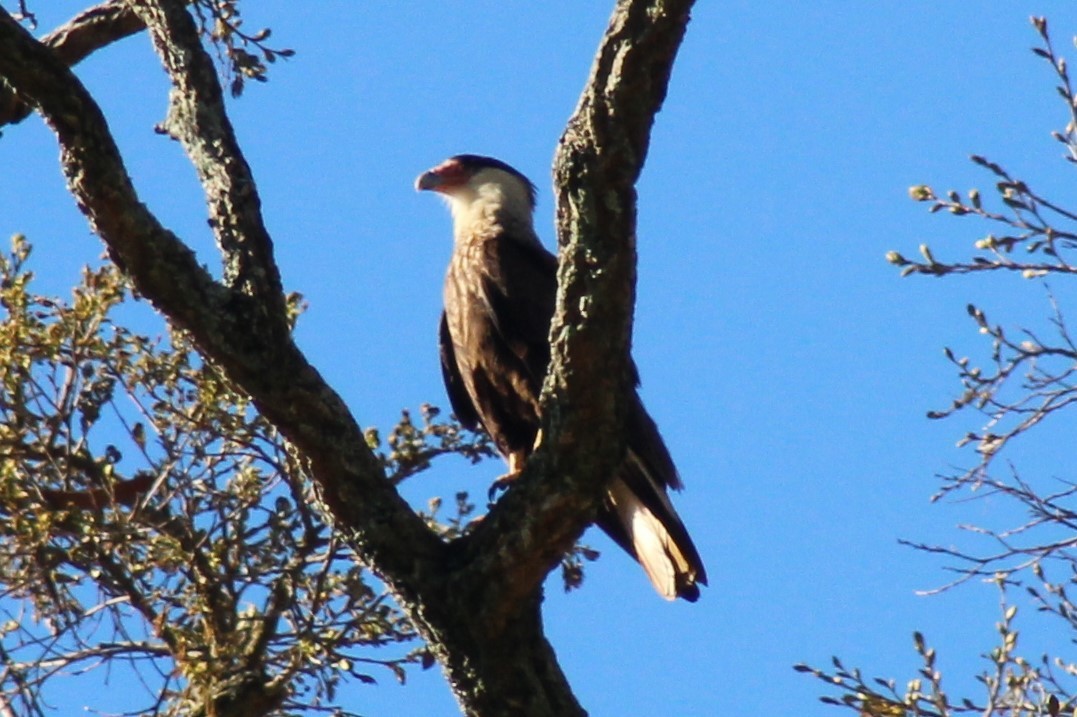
494	340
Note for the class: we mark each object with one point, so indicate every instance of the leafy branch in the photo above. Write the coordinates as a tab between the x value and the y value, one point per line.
242	55
153	522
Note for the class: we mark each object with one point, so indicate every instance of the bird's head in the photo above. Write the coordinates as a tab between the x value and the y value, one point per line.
475	185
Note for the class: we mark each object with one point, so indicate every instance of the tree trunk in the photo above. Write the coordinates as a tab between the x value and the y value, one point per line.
498	668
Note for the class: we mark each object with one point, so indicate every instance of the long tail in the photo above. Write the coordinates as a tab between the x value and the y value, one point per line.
640	517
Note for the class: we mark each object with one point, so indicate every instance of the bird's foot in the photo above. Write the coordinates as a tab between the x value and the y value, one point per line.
502	483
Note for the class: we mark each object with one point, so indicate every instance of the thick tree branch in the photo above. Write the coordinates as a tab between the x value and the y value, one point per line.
75	40
198	120
599	159
91	30
270	368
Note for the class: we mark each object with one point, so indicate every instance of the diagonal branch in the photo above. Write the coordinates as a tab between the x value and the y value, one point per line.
599	159
98	179
72	42
198	120
381	527
93	29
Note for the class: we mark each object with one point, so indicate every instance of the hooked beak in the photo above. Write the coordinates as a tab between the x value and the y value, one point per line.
429	180
444	178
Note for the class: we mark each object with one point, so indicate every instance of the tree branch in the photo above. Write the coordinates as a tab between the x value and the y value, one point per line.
198	120
75	40
381	527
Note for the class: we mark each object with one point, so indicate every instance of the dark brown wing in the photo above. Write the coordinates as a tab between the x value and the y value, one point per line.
454	382
646	442
520	284
499	296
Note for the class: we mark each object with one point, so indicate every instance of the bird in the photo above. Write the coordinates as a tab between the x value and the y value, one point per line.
493	339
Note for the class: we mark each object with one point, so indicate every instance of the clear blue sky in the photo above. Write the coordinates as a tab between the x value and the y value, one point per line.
786	363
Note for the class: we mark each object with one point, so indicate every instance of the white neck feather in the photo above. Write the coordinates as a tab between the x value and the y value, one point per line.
492	201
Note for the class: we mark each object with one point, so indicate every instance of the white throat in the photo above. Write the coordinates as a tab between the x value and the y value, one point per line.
493	200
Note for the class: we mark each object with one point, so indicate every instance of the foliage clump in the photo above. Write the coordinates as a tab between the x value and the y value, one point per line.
152	521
